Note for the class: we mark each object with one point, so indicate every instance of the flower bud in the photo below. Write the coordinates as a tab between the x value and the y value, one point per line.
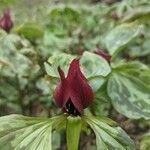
73	93
6	22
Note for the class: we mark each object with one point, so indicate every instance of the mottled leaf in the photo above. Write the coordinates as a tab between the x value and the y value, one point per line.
20	133
129	91
12	58
93	65
120	36
107	137
58	59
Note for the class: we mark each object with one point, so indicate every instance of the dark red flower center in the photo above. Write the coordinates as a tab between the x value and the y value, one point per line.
70	109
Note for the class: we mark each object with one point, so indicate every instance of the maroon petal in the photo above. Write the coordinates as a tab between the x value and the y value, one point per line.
77	103
80	92
103	54
61	93
73	93
74	68
61	73
58	95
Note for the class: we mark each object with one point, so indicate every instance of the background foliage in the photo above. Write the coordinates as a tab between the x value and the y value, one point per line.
52	33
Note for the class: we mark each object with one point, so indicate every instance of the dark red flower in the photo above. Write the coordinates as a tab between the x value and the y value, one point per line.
103	54
6	22
73	93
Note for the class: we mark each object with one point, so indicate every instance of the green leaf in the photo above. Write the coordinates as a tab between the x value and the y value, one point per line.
58	59
129	66
145	142
12	58
68	16
107	137
101	94
95	68
52	43
120	37
106	120
139	13
7	2
74	125
129	90
56	140
101	102
30	30
140	49
93	65
8	92
96	83
145	77
20	132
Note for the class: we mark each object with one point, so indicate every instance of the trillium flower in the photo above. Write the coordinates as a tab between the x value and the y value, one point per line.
103	54
73	93
6	22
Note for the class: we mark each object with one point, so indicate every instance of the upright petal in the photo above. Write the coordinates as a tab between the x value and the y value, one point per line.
74	68
59	91
61	73
81	93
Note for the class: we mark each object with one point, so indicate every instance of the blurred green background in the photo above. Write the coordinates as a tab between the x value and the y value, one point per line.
44	29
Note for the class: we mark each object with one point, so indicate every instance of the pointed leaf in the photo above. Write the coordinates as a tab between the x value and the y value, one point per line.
120	36
107	137
19	132
129	90
93	65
